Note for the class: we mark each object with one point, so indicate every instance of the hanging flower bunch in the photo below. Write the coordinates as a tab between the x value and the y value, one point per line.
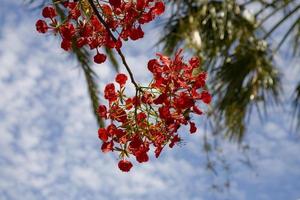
151	118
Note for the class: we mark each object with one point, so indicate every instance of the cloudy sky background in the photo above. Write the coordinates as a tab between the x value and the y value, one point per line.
48	136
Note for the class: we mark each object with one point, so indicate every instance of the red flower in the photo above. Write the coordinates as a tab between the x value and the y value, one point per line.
147	98
129	103
146	17
102	111
118	44
194	62
206	97
164	112
118	113
140	4
107	146
159	8
121	136
81	41
197	110
41	26
99	58
66	45
75	13
142	157
200	80
70	5
154	66
136	101
48	12
112	130
193	127
161	99
95	24
136	33
110	93
141	116
121	79
174	141
135	143
158	151
102	134
106	9
184	101
125	165
67	31
115	3
165	59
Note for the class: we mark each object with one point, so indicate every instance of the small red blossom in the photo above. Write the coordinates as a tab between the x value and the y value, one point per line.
99	58
158	151
206	97
102	111
107	147
136	33
194	62
153	66
112	130
129	104
102	134
193	127
117	113
141	116
147	98
49	12
142	157
115	3
41	26
175	139
110	92
125	165
197	110
164	112
81	41
140	4
66	45
159	8
121	79
67	31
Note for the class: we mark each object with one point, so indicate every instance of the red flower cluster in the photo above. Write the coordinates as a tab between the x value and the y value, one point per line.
151	118
154	115
82	27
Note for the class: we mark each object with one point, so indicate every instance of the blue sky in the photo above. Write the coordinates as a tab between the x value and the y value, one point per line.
49	147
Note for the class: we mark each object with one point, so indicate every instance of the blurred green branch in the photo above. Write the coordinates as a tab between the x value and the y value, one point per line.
236	51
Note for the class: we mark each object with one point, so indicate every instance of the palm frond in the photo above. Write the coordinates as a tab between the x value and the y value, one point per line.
241	67
296	105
